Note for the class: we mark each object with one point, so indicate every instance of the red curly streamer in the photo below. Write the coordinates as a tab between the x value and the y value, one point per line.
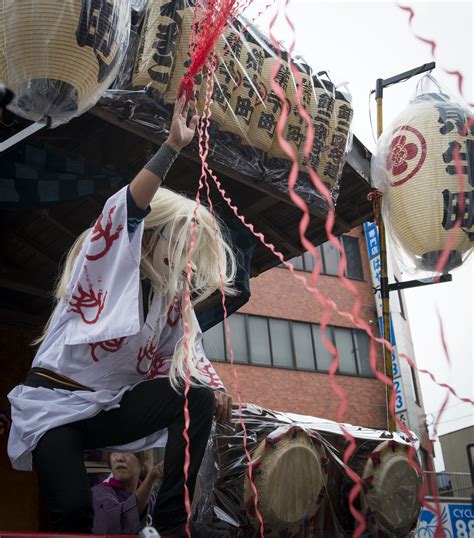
203	152
348	316
98	232
433	46
304	222
214	19
353	316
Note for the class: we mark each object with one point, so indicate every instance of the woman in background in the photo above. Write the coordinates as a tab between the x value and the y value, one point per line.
123	504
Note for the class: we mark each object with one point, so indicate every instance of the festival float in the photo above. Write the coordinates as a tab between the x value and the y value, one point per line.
114	70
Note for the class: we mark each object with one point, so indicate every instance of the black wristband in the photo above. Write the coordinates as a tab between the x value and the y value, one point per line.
162	161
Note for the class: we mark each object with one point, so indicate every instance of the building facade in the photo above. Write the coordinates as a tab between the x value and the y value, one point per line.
280	359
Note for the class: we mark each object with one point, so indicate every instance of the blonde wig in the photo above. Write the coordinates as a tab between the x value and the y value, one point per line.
166	243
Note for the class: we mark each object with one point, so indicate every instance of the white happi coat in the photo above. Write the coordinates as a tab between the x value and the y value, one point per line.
98	338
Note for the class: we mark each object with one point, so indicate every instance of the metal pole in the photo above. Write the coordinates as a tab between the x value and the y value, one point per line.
384	291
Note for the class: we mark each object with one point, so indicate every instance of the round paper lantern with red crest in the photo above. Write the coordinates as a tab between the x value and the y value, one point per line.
424	167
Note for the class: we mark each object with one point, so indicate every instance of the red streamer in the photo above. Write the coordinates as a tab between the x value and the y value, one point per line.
200	48
433	46
212	23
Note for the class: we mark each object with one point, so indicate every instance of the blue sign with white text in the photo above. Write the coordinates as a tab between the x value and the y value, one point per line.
457	521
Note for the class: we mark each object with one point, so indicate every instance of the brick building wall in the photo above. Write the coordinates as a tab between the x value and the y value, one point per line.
277	294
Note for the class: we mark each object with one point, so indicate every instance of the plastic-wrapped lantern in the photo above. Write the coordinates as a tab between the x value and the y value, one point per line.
416	170
60	55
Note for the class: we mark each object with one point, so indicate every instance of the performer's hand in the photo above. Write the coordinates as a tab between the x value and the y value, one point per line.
157	471
223	410
180	133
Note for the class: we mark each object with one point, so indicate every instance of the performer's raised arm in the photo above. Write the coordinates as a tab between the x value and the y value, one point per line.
147	181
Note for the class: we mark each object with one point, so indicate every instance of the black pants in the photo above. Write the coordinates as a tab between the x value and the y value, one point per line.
150	406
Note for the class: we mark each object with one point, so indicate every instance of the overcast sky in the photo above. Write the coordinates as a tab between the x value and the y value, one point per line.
360	42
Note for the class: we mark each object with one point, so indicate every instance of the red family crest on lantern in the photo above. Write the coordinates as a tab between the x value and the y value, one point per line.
424	168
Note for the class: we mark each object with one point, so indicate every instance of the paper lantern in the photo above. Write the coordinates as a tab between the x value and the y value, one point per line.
183	58
415	169
268	108
294	131
242	60
158	47
332	156
60	55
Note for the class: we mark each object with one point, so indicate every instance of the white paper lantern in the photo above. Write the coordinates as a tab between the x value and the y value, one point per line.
416	171
59	56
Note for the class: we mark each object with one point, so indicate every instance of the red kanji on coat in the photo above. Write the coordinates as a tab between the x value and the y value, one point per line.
110	346
146	353
160	367
109	236
87	303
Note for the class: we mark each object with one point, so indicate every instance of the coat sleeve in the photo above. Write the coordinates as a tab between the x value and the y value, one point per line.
102	297
112	516
208	374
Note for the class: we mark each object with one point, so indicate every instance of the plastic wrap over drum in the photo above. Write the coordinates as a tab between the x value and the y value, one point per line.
299	477
416	170
391	490
289	478
60	56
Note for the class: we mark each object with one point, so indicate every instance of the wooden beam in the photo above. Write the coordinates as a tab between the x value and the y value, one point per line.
46	214
270	229
159	138
22	319
29	244
260	205
27	289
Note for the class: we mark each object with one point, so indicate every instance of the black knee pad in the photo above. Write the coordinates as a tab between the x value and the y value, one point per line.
204	399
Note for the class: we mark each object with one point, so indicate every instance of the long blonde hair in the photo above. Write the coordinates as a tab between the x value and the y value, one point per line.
164	258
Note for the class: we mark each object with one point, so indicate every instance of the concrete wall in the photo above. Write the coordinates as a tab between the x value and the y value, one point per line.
453	446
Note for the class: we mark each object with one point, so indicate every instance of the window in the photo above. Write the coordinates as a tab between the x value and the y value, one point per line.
238	335
330	258
289	344
259	340
354	263
414	381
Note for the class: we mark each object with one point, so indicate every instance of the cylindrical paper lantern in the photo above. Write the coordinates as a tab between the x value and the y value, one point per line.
60	55
182	59
415	168
332	156
268	108
241	59
294	131
158	46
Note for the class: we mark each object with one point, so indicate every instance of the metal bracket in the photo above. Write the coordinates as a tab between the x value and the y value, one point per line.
396	286
24	133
